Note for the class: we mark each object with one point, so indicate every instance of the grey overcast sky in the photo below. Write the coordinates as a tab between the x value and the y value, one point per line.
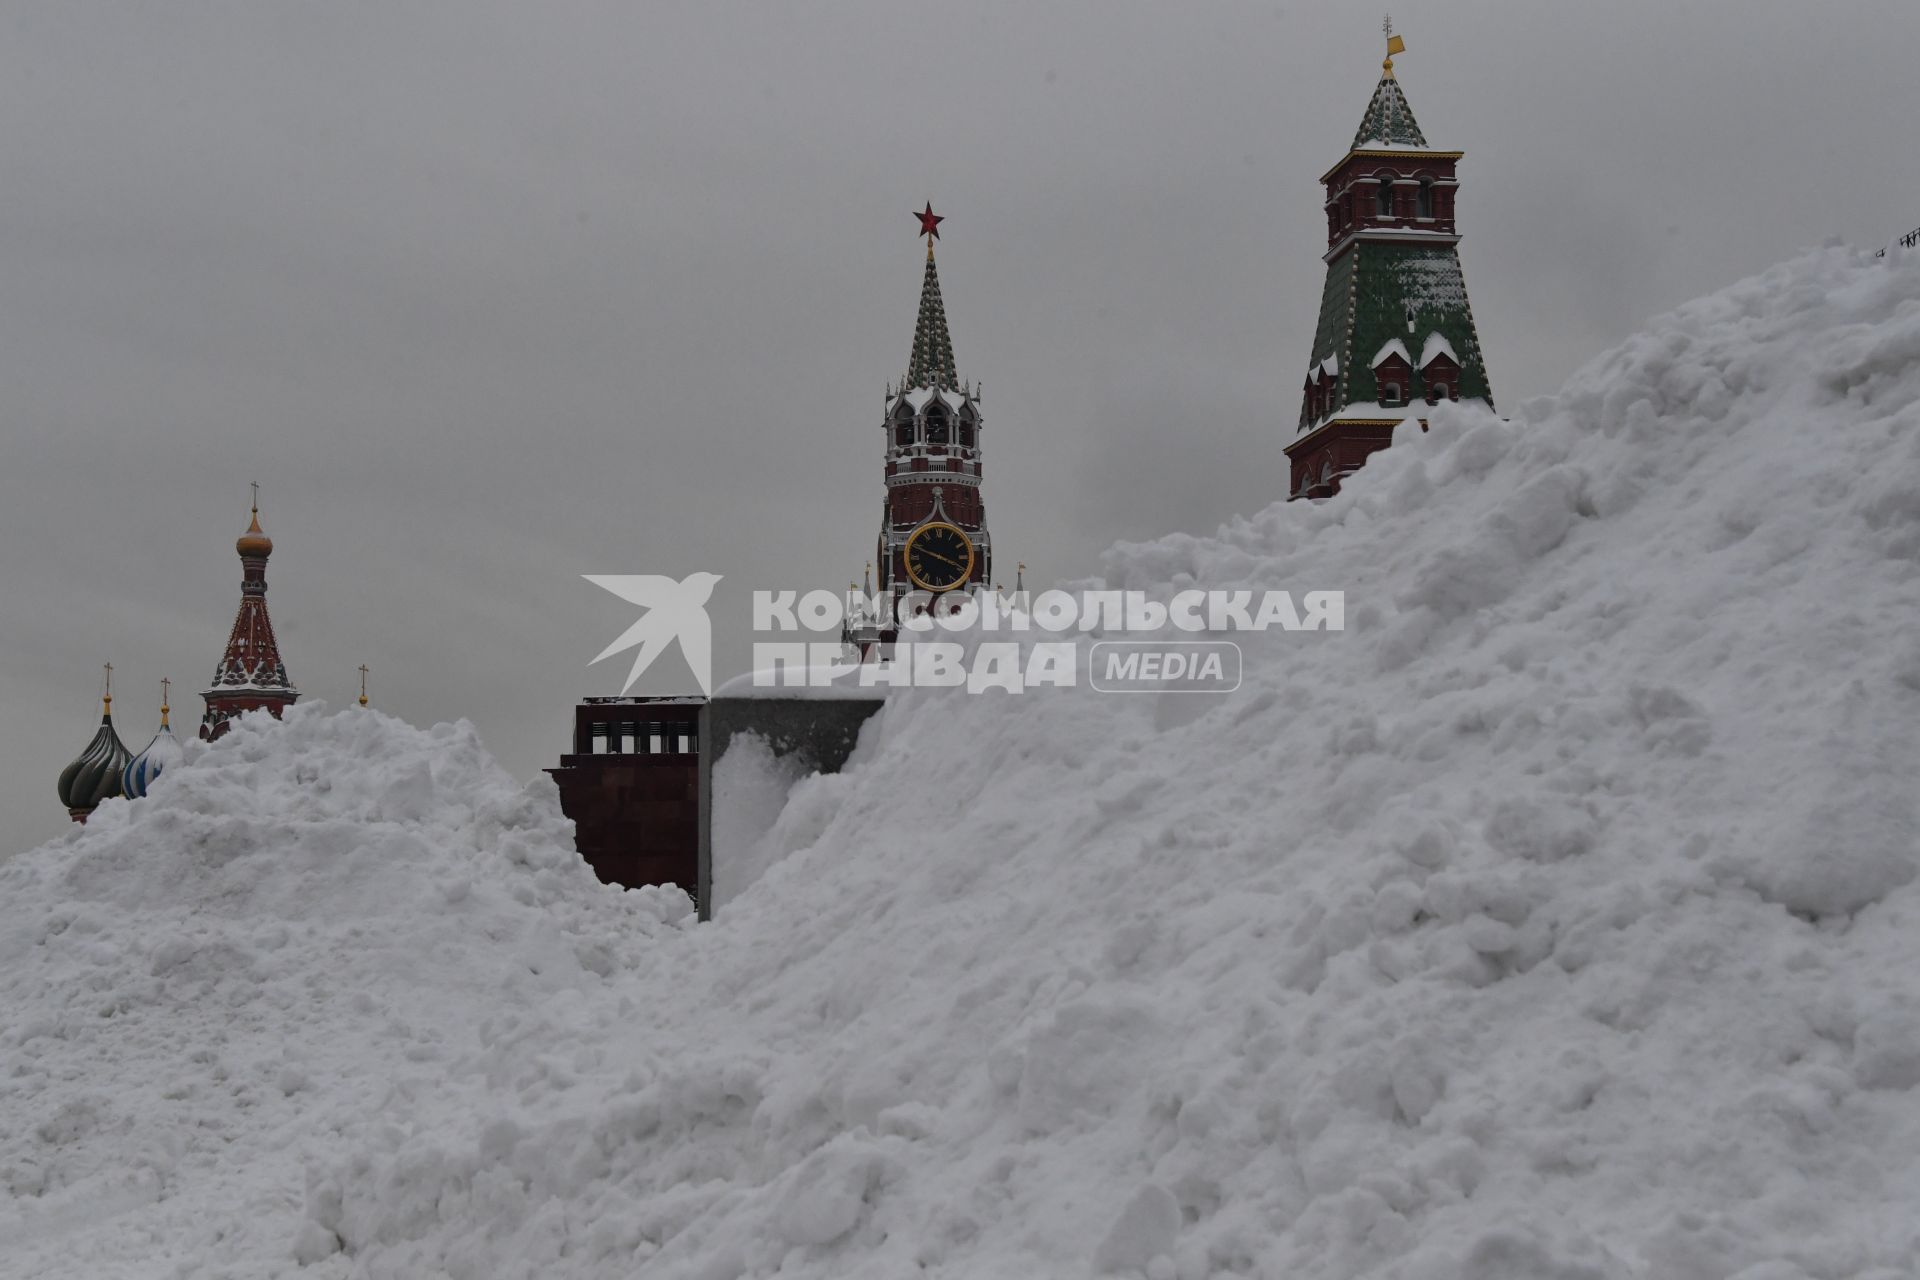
488	295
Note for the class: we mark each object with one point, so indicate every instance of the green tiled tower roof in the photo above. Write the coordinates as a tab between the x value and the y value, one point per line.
1389	119
1376	292
932	361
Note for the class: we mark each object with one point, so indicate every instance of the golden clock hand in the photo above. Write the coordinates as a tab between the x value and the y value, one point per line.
922	551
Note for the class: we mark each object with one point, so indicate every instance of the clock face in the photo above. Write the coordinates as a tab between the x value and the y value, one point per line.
939	557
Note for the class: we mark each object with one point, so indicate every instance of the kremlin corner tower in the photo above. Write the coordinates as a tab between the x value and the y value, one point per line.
1396	333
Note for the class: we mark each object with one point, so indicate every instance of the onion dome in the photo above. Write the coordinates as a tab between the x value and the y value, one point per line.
161	754
95	776
254	543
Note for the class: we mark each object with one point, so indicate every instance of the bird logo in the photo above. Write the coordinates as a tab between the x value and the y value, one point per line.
675	610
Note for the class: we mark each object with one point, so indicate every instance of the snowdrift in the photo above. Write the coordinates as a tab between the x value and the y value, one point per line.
307	930
1556	920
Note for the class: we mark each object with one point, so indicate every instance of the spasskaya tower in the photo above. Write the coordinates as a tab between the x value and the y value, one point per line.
933	524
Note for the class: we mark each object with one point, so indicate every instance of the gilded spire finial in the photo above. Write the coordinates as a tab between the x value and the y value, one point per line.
165	685
363	684
1394	45
106	699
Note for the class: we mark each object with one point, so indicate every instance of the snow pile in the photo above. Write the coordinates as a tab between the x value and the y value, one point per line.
1558	920
301	931
751	784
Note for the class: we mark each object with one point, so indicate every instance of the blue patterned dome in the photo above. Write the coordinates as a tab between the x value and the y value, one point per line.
160	755
95	776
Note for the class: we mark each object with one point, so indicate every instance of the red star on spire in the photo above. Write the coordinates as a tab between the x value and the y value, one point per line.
929	221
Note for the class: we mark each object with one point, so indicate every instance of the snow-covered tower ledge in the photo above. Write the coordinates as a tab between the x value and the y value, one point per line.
1396	333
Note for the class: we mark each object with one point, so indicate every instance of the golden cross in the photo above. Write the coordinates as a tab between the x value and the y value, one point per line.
256	494
363	684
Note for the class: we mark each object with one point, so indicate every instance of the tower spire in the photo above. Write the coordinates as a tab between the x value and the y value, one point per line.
251	675
1389	120
363	684
931	364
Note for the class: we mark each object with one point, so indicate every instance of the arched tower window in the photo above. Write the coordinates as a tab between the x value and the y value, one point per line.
903	428
1384	197
938	425
1426	197
966	430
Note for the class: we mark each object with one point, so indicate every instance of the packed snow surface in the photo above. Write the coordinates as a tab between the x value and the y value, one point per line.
1557	920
